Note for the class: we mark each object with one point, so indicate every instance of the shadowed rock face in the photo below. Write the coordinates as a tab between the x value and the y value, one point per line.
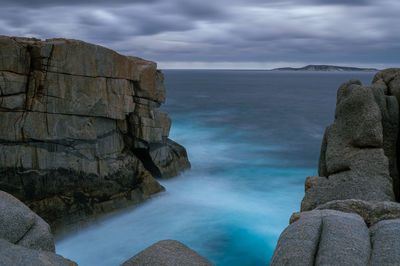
80	129
349	213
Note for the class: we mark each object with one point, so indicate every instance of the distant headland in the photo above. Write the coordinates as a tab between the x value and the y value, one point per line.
325	68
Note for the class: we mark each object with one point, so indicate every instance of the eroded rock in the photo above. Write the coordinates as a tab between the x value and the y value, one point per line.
80	129
354	160
324	237
349	215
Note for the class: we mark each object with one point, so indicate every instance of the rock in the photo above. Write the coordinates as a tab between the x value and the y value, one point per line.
357	185
80	130
371	212
169	159
354	160
385	242
20	226
324	237
304	233
388	80
15	255
167	253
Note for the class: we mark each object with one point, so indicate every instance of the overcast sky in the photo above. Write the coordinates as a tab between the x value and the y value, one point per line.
237	34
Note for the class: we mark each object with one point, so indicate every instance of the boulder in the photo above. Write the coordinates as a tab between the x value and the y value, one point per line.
324	237
81	132
20	226
348	214
16	255
167	253
354	156
385	242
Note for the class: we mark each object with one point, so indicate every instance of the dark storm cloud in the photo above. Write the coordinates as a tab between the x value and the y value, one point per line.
220	32
50	3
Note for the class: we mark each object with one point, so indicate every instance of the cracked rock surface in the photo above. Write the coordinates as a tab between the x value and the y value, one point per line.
81	132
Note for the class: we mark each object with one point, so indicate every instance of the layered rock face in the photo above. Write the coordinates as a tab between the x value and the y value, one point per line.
80	129
349	214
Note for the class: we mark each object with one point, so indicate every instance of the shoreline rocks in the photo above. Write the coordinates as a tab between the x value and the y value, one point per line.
81	133
349	214
167	253
25	239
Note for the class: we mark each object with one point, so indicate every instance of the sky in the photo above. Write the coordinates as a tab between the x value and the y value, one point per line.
232	34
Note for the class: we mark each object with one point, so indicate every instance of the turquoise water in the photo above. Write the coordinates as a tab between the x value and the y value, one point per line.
252	138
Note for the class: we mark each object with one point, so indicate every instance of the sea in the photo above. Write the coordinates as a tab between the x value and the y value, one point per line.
252	138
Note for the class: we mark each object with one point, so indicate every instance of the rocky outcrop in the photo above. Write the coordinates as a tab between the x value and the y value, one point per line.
80	130
25	239
349	214
167	253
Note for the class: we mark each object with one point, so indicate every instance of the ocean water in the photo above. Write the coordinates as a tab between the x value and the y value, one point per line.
252	138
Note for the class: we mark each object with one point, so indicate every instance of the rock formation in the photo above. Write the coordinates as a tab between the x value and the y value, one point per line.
349	214
167	253
80	130
25	239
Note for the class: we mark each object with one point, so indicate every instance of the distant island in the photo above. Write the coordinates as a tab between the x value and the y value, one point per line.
325	68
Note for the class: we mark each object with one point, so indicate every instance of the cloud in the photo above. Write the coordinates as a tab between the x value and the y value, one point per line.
220	32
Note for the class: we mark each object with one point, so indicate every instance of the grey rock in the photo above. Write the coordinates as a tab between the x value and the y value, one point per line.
169	158
385	237
358	158
388	81
324	237
81	132
21	226
15	255
298	243
372	212
167	253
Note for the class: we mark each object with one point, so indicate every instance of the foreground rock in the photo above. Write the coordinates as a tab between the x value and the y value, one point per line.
167	253
349	212
15	255
80	130
25	239
20	226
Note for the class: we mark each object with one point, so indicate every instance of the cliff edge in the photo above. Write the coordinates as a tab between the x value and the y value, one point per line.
80	130
349	214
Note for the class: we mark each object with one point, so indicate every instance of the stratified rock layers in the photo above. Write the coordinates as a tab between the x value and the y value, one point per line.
349	214
80	129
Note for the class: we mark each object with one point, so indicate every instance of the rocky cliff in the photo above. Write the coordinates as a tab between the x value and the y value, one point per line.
80	130
349	215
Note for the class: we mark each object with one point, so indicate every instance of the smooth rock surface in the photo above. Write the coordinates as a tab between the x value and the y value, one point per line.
80	132
21	226
15	255
324	237
385	237
167	253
